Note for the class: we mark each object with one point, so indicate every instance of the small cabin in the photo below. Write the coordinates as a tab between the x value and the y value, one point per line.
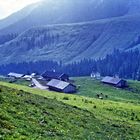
95	75
27	77
117	82
49	75
61	86
15	75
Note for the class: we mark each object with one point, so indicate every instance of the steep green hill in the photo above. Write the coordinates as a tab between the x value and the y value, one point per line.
53	115
73	42
27	116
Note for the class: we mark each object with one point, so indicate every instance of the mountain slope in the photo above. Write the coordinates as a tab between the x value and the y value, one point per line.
27	116
16	16
64	11
62	116
72	42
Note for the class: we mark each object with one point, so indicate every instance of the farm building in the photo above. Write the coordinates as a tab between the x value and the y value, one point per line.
61	86
117	82
15	75
27	77
49	75
95	75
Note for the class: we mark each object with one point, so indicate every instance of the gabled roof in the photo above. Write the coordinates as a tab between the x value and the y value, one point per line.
111	80
58	84
27	76
17	75
52	74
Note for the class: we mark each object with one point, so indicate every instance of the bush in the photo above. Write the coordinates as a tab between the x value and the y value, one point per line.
94	106
1	99
86	101
66	98
90	102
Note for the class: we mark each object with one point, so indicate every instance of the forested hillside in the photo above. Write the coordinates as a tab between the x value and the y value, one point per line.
73	42
6	38
122	64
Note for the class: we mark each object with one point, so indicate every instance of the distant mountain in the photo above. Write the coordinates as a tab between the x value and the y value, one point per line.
73	42
16	16
66	11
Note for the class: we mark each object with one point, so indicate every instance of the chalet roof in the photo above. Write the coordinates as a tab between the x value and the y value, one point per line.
17	75
52	74
27	76
58	84
111	80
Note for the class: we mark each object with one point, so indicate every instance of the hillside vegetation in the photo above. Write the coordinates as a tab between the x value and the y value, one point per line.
27	116
73	42
94	87
64	11
72	116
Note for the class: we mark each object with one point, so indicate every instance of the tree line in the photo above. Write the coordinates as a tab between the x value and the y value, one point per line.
7	37
123	64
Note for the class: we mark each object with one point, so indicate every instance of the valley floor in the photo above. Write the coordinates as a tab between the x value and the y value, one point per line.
83	116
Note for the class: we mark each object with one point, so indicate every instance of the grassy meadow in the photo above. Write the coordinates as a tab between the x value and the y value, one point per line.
82	116
90	88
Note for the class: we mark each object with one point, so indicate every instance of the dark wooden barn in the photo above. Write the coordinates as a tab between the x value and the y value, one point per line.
49	75
117	82
61	86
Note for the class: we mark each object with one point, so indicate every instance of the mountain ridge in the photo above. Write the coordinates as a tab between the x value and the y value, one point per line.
63	11
64	38
13	18
73	42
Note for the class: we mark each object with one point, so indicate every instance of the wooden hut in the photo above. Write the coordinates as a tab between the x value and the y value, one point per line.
49	75
117	82
61	86
15	75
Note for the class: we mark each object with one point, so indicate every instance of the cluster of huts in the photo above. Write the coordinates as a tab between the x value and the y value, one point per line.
60	82
51	80
112	81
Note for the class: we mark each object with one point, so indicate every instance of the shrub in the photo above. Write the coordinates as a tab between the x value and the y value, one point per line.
75	107
66	98
90	102
86	101
1	99
94	106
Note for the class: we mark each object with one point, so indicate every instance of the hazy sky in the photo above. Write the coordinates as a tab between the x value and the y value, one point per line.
8	7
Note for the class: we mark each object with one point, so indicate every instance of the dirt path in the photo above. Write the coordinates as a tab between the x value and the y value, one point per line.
38	85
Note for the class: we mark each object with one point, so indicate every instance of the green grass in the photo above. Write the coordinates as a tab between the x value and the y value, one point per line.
18	81
90	88
117	117
27	116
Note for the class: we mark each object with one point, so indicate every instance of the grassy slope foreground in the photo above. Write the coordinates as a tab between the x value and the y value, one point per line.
27	116
59	116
